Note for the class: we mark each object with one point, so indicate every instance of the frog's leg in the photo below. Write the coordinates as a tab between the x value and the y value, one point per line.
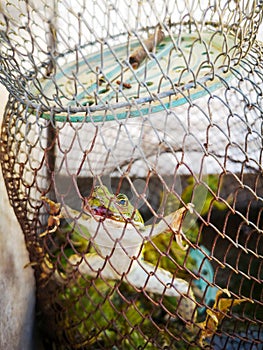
156	280
159	281
142	275
93	265
173	221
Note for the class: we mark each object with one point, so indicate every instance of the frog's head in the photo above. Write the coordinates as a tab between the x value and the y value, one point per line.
103	204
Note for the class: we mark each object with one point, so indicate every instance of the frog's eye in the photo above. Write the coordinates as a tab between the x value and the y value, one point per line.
122	200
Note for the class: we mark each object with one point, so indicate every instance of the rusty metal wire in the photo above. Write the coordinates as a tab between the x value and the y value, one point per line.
159	101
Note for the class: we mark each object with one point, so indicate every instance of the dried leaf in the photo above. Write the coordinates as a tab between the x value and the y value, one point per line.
216	314
54	216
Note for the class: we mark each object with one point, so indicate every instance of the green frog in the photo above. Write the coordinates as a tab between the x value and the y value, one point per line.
117	232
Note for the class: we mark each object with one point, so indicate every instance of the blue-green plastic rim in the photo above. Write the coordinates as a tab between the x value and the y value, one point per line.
108	115
106	109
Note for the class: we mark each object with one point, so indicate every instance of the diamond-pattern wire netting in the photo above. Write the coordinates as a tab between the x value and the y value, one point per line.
131	149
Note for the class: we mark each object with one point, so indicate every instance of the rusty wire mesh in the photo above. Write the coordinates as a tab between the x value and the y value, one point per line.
159	101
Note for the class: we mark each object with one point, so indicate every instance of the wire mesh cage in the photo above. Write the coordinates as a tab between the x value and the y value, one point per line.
131	149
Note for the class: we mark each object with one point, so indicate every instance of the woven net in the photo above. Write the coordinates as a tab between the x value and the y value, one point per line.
131	149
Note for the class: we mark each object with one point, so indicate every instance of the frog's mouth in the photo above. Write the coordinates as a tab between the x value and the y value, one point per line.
102	212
